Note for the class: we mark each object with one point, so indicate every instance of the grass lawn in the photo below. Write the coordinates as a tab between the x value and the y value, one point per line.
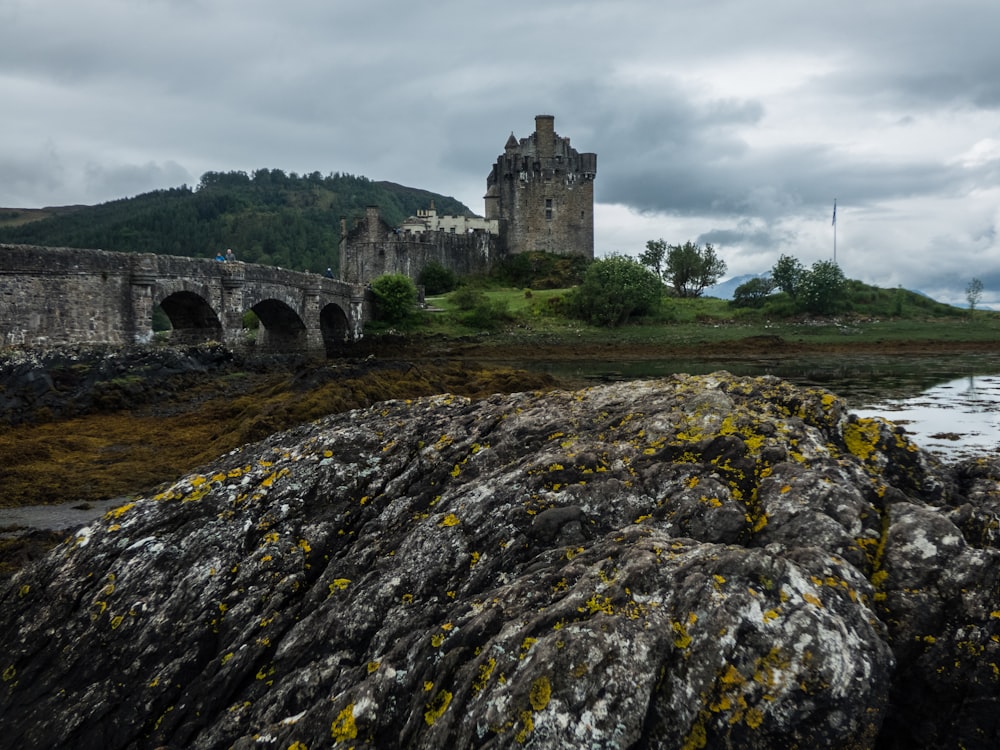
886	316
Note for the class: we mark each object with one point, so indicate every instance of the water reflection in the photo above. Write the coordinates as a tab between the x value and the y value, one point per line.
953	419
949	403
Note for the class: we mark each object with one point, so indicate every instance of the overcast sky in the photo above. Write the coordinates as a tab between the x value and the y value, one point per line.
723	121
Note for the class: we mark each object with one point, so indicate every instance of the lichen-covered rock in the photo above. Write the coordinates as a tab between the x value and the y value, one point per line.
692	562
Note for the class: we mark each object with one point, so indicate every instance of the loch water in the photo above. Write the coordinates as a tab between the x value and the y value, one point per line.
949	404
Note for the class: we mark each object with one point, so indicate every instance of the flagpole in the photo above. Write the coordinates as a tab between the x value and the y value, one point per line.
835	231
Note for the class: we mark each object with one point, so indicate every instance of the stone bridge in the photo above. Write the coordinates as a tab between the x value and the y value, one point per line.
52	296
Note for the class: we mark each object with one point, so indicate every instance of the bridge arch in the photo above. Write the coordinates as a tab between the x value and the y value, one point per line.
192	318
281	328
335	327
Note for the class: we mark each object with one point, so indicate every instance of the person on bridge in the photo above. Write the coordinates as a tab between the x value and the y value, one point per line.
230	255
328	273
220	257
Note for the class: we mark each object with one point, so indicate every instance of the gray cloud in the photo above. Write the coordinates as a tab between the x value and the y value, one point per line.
724	121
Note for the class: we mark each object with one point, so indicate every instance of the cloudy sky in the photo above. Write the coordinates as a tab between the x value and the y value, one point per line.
725	121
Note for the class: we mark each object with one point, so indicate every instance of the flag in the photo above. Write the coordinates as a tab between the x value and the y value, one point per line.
834	222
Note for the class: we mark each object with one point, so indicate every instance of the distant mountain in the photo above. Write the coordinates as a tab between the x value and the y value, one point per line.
266	217
725	289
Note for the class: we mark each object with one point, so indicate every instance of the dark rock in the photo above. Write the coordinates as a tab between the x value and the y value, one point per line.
72	381
693	562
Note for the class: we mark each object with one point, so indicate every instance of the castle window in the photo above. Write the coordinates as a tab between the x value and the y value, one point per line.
548	209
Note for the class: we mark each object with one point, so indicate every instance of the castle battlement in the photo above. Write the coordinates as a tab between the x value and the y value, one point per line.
543	190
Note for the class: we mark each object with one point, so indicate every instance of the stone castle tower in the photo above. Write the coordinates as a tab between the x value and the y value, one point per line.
541	192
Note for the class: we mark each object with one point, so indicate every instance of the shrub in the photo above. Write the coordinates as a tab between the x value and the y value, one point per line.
752	293
613	290
540	270
466	298
395	297
436	279
488	315
822	289
250	320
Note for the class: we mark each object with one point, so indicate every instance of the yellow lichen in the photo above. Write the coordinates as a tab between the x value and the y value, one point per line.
526	646
812	599
681	637
527	727
540	693
436	708
450	520
598	603
861	437
119	511
696	739
485	671
343	727
754	717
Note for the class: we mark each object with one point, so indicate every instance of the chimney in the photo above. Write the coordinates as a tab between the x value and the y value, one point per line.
545	135
371	222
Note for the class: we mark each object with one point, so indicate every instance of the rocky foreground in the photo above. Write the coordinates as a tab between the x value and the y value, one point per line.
691	562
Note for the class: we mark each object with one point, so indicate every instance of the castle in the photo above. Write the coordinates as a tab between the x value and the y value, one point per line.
539	197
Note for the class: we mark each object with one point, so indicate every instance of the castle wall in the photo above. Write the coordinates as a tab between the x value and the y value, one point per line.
365	255
539	198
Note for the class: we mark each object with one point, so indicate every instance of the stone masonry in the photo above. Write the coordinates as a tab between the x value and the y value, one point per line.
543	190
539	198
51	296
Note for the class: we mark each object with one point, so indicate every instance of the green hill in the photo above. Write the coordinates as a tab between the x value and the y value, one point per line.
267	217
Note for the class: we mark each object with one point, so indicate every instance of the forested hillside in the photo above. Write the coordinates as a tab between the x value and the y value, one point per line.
267	217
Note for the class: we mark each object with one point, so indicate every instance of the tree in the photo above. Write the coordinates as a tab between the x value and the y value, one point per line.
395	296
689	268
787	275
753	292
614	289
821	289
436	279
653	256
973	294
